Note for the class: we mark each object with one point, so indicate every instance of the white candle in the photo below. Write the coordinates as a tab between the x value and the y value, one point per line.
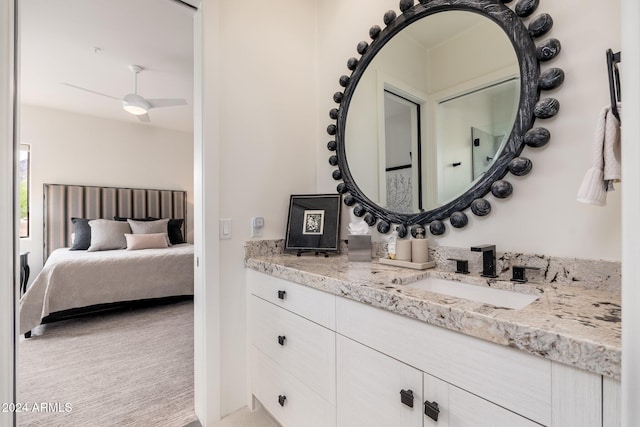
419	250
403	250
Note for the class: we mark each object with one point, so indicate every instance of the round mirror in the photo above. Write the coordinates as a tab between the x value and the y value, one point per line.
438	109
432	111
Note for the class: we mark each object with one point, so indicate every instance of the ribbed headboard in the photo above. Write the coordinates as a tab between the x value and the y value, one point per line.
62	202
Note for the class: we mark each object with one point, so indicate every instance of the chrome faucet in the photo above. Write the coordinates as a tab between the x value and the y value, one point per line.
488	259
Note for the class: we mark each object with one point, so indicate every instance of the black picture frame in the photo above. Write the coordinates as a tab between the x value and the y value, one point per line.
313	223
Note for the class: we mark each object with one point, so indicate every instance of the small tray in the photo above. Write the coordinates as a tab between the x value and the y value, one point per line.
408	264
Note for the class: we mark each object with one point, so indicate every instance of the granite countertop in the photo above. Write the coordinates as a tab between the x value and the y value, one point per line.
569	323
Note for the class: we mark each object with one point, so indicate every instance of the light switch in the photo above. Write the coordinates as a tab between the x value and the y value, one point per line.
225	228
257	224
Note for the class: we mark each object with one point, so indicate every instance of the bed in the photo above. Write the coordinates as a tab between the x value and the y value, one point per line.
76	281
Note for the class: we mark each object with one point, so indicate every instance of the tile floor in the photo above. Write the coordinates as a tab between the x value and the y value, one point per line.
246	418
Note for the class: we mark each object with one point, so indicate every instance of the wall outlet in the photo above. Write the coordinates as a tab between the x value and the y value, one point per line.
257	224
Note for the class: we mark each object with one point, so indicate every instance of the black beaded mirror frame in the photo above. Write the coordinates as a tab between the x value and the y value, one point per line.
530	107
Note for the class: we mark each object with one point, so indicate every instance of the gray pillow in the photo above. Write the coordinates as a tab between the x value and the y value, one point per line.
149	227
107	235
81	234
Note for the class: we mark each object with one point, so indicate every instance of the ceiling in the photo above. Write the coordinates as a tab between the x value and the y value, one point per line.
438	28
91	43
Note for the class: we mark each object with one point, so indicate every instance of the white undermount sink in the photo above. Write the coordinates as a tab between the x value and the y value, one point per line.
497	297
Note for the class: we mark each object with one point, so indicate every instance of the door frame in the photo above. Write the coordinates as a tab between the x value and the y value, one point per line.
630	24
8	211
207	331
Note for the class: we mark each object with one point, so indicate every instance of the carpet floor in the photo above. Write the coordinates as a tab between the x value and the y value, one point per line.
128	368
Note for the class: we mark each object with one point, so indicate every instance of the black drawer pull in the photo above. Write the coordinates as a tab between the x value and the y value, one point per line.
282	399
282	294
281	339
406	397
431	410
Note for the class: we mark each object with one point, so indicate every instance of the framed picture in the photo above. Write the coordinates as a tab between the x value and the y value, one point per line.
313	223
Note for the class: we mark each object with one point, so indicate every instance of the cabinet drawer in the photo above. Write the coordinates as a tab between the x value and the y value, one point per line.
310	303
301	406
508	377
369	386
307	350
461	409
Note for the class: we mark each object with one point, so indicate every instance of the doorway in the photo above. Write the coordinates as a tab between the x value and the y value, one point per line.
41	112
402	135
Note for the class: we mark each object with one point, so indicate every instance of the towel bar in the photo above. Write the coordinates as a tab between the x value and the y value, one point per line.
614	80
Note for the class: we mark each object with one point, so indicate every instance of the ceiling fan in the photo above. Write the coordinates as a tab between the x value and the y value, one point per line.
136	104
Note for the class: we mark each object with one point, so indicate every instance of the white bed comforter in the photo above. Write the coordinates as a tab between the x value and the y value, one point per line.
73	279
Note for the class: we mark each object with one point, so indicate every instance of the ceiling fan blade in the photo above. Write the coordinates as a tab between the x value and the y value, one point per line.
90	91
166	102
144	118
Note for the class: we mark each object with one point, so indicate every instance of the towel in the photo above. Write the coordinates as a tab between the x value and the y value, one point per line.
605	161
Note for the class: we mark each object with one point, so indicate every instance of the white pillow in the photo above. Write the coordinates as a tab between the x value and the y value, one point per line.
146	241
107	234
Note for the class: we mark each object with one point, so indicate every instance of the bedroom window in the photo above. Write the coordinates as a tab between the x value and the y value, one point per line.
24	173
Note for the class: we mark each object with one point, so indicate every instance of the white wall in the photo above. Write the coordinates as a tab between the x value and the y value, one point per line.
259	114
487	111
542	216
472	60
69	148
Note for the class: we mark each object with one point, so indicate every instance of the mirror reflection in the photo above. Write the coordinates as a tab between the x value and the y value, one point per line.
402	140
432	111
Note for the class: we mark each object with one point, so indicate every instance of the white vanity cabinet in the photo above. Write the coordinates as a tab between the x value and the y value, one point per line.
611	403
370	386
348	364
506	377
375	390
459	408
292	351
477	379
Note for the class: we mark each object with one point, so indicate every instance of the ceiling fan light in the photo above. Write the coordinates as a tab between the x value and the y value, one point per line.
134	109
135	104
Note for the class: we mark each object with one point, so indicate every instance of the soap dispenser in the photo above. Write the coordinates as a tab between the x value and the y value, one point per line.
419	247
391	244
